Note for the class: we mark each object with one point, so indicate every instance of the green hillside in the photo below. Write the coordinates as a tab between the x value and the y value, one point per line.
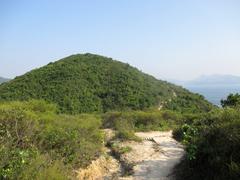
93	83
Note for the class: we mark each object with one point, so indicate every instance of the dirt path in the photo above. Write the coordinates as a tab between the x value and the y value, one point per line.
155	157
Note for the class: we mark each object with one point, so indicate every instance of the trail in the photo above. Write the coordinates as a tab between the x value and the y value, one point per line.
155	157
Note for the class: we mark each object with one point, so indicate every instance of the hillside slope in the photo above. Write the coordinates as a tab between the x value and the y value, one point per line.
93	83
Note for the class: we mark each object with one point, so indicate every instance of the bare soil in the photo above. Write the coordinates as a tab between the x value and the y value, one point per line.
154	159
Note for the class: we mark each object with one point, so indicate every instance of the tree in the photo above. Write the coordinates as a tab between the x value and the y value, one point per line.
232	100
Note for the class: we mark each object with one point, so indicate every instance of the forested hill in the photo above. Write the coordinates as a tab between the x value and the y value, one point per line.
93	83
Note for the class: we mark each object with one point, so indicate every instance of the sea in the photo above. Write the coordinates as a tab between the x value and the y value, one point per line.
214	93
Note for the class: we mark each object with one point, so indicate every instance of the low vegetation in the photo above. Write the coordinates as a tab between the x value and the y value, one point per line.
212	143
126	123
120	149
37	143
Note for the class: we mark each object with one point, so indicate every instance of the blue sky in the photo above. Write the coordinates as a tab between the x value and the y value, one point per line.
170	39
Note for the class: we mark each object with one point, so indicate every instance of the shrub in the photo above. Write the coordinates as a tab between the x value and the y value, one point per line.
119	150
125	130
212	144
143	120
233	100
42	167
33	136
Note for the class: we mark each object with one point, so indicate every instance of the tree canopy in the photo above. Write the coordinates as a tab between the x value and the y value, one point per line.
232	100
92	83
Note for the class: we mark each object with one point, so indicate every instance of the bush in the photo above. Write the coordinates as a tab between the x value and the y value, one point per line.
212	144
126	123
76	139
143	120
32	135
233	100
42	167
125	130
119	150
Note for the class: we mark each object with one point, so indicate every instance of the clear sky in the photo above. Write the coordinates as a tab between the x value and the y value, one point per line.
173	39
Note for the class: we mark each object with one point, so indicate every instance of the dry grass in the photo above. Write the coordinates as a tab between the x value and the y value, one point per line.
99	169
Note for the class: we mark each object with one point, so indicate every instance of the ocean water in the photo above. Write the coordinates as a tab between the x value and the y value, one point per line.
214	93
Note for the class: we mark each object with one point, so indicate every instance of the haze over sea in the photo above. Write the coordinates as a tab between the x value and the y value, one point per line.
214	93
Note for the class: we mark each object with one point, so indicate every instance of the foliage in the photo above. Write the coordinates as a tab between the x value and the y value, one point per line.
125	130
212	142
92	83
233	100
189	135
188	103
120	149
142	120
126	123
42	167
36	143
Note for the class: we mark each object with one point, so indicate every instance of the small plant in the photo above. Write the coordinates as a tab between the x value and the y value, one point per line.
118	150
189	135
125	149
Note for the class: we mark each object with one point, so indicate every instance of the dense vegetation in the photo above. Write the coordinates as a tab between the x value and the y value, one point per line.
36	143
212	143
233	100
212	139
126	123
92	83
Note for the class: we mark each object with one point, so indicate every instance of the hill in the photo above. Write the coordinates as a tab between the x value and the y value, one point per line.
93	83
2	80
